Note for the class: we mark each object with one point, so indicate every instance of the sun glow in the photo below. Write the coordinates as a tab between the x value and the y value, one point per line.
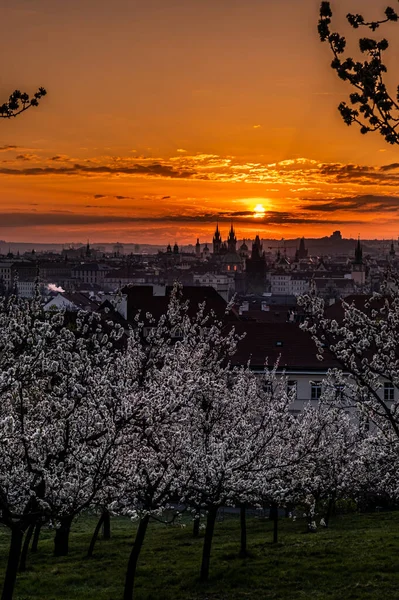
259	211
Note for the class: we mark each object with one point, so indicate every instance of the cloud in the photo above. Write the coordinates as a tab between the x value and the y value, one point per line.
8	148
151	170
165	197
98	196
390	167
67	218
26	157
368	203
361	174
59	157
299	173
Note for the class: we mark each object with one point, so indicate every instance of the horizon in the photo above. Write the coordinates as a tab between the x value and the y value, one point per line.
94	243
177	115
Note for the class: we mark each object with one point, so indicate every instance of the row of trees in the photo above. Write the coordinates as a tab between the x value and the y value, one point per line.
92	417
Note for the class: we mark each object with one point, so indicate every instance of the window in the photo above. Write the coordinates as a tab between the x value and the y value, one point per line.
292	389
389	391
268	388
315	390
339	392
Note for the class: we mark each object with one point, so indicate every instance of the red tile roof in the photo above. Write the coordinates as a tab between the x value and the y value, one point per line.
285	342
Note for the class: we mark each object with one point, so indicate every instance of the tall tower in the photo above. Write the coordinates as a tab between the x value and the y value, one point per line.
358	270
256	249
232	240
392	252
358	254
198	249
256	269
302	252
217	241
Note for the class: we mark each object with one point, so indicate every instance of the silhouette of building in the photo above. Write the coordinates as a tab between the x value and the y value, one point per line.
256	267
217	241
232	240
358	268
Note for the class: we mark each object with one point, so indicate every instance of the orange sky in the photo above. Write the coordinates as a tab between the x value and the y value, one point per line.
164	116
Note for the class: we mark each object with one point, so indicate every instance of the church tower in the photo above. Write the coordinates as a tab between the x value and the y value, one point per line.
358	270
255	268
232	240
217	241
256	249
392	252
198	249
302	252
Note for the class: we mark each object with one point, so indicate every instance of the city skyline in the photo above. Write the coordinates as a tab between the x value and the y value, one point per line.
165	117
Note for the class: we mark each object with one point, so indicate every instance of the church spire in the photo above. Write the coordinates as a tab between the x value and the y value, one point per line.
358	253
232	240
217	240
198	248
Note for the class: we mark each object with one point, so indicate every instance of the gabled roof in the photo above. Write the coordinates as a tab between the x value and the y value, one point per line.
78	300
283	342
141	298
360	301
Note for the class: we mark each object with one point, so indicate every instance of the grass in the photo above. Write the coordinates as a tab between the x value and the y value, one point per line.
357	558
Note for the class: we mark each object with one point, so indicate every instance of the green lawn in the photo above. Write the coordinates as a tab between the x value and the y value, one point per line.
358	557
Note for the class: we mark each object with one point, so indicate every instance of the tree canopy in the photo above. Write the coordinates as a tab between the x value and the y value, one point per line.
19	102
372	106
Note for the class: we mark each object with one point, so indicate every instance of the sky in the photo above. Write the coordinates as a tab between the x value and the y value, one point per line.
164	117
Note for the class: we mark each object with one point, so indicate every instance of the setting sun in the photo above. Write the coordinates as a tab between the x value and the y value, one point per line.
259	211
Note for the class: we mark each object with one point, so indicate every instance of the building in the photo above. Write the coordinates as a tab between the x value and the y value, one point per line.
358	267
256	269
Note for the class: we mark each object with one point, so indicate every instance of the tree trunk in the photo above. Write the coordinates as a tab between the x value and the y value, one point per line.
196	526
35	541
25	548
106	525
330	510
12	564
95	536
243	523
134	557
274	517
61	540
206	552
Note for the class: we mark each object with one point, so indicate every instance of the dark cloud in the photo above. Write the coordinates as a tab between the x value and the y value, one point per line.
65	218
98	196
365	203
23	219
8	148
361	174
25	157
237	213
390	167
59	157
155	169
165	197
